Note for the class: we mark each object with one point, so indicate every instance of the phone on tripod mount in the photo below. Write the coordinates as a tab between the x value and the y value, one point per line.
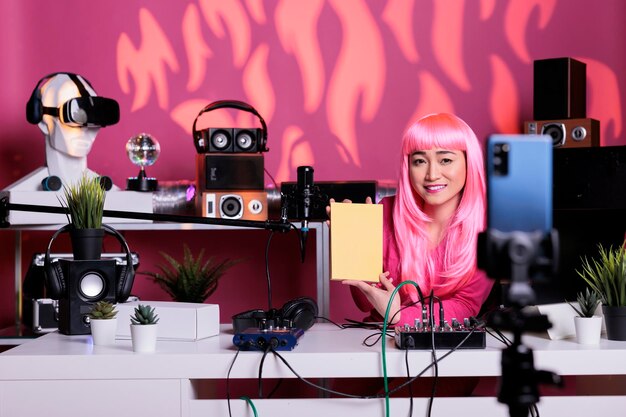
519	245
519	215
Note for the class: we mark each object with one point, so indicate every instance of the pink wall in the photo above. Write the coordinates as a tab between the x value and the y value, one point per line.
337	82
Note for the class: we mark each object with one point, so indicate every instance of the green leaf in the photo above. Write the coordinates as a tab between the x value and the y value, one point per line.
191	280
85	203
606	276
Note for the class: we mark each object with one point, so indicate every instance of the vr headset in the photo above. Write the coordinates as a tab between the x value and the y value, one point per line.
86	110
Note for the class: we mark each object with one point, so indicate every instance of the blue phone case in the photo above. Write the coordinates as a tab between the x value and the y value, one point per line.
519	183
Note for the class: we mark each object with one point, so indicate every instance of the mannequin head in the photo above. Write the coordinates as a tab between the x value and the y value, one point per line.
68	112
74	141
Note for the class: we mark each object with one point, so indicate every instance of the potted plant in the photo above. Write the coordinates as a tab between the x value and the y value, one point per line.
103	323
192	280
143	329
85	204
588	325
607	277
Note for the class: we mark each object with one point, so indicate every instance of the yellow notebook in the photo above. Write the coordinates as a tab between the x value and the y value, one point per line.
356	241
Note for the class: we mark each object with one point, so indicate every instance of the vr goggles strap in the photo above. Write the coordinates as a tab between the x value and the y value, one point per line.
81	87
54	111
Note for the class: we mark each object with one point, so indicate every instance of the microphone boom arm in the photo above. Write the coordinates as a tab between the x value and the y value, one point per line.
280	226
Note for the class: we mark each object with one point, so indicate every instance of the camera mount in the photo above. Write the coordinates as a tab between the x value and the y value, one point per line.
520	256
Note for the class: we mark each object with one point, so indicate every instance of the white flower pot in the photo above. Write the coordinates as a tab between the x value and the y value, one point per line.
103	331
144	337
588	329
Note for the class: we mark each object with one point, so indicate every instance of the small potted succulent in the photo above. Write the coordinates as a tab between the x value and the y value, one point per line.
103	323
143	329
588	325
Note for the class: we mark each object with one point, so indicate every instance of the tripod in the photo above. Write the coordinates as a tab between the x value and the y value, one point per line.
520	256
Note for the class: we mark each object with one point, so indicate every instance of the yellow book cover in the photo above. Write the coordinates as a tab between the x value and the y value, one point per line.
356	241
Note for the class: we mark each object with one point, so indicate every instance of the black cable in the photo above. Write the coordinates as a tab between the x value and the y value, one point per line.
271	178
445	355
273	391
267	271
376	396
265	352
306	381
341	326
433	392
267	266
228	382
410	344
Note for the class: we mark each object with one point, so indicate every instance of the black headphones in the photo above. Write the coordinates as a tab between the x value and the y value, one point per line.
200	137
55	281
299	313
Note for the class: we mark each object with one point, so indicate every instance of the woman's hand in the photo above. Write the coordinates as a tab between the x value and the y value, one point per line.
379	294
368	200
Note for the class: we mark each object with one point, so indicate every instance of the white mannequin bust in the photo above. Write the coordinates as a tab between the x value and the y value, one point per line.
69	134
67	146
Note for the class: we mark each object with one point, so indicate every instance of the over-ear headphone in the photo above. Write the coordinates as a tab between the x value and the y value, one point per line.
55	281
299	313
34	106
202	140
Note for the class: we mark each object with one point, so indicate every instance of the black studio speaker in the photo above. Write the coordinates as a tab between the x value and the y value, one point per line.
41	313
230	172
78	284
87	283
559	89
218	140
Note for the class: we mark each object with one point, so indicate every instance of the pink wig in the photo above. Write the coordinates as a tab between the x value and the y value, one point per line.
447	268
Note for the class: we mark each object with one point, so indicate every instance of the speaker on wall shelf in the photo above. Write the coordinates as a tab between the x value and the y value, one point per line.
567	133
87	283
230	172
78	284
559	89
232	140
235	204
41	307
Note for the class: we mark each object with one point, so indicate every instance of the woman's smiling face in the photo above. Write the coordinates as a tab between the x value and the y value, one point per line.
438	176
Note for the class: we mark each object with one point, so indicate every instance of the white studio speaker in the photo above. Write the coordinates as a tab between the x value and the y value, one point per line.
235	204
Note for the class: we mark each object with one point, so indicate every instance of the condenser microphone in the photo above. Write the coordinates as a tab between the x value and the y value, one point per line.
305	193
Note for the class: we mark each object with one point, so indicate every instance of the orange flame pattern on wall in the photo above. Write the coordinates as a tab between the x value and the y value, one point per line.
341	78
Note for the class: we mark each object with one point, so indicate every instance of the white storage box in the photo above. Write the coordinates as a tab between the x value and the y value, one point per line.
177	321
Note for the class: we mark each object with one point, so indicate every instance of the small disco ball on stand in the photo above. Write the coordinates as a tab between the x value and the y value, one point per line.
143	150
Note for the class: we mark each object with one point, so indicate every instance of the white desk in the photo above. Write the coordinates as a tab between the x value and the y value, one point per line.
66	375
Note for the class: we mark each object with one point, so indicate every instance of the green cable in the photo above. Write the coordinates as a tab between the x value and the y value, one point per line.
251	404
384	354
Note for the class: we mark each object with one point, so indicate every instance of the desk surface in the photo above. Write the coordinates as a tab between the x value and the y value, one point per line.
324	351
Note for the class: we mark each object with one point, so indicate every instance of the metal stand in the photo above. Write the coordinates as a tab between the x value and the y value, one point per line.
520	256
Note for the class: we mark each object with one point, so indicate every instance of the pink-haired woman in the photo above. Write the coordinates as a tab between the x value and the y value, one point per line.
430	226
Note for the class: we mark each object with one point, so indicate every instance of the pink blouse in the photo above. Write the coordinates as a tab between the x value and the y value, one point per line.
461	304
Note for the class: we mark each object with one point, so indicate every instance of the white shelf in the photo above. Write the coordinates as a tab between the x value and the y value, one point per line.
322	239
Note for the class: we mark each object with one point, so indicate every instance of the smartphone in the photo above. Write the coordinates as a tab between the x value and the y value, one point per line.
519	183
